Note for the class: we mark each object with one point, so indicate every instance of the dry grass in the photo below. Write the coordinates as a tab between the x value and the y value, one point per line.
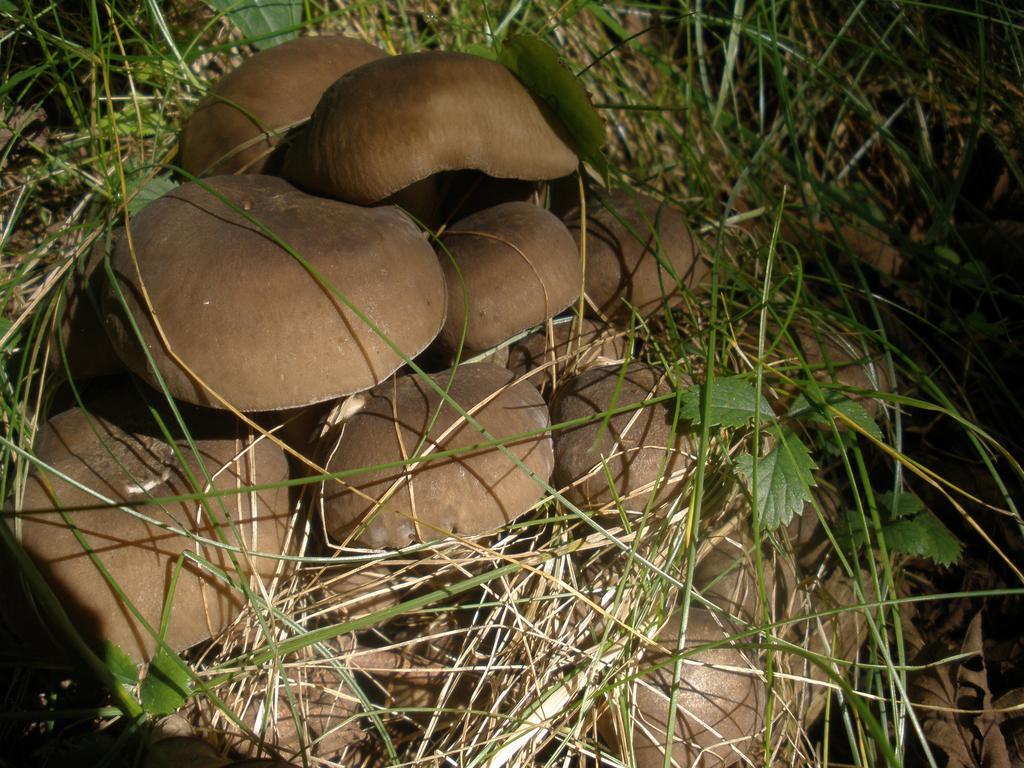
878	130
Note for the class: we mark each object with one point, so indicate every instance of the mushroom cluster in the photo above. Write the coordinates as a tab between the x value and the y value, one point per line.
356	225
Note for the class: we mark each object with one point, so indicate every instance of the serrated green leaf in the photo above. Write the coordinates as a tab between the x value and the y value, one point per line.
784	480
264	22
732	403
850	531
540	69
897	507
805	410
150	190
923	535
120	664
166	686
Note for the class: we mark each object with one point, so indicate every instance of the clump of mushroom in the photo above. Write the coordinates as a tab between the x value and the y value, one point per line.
271	298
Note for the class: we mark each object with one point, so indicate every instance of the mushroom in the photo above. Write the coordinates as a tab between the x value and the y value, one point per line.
839	359
309	708
800	581
429	677
191	751
846	361
115	451
474	491
399	120
726	572
506	268
719	702
805	537
639	252
637	449
837	636
246	319
236	127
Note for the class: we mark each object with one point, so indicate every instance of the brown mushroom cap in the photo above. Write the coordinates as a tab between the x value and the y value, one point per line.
236	127
322	698
570	347
248	318
428	677
807	539
397	120
470	493
638	446
719	701
726	573
193	752
118	456
639	251
838	636
847	361
519	267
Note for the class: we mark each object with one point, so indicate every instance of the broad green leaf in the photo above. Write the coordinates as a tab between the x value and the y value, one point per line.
805	410
897	507
141	196
265	23
733	402
120	664
908	528
784	480
6	6
541	70
923	535
166	686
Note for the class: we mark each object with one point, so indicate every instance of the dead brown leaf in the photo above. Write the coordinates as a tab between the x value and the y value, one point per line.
21	123
956	707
